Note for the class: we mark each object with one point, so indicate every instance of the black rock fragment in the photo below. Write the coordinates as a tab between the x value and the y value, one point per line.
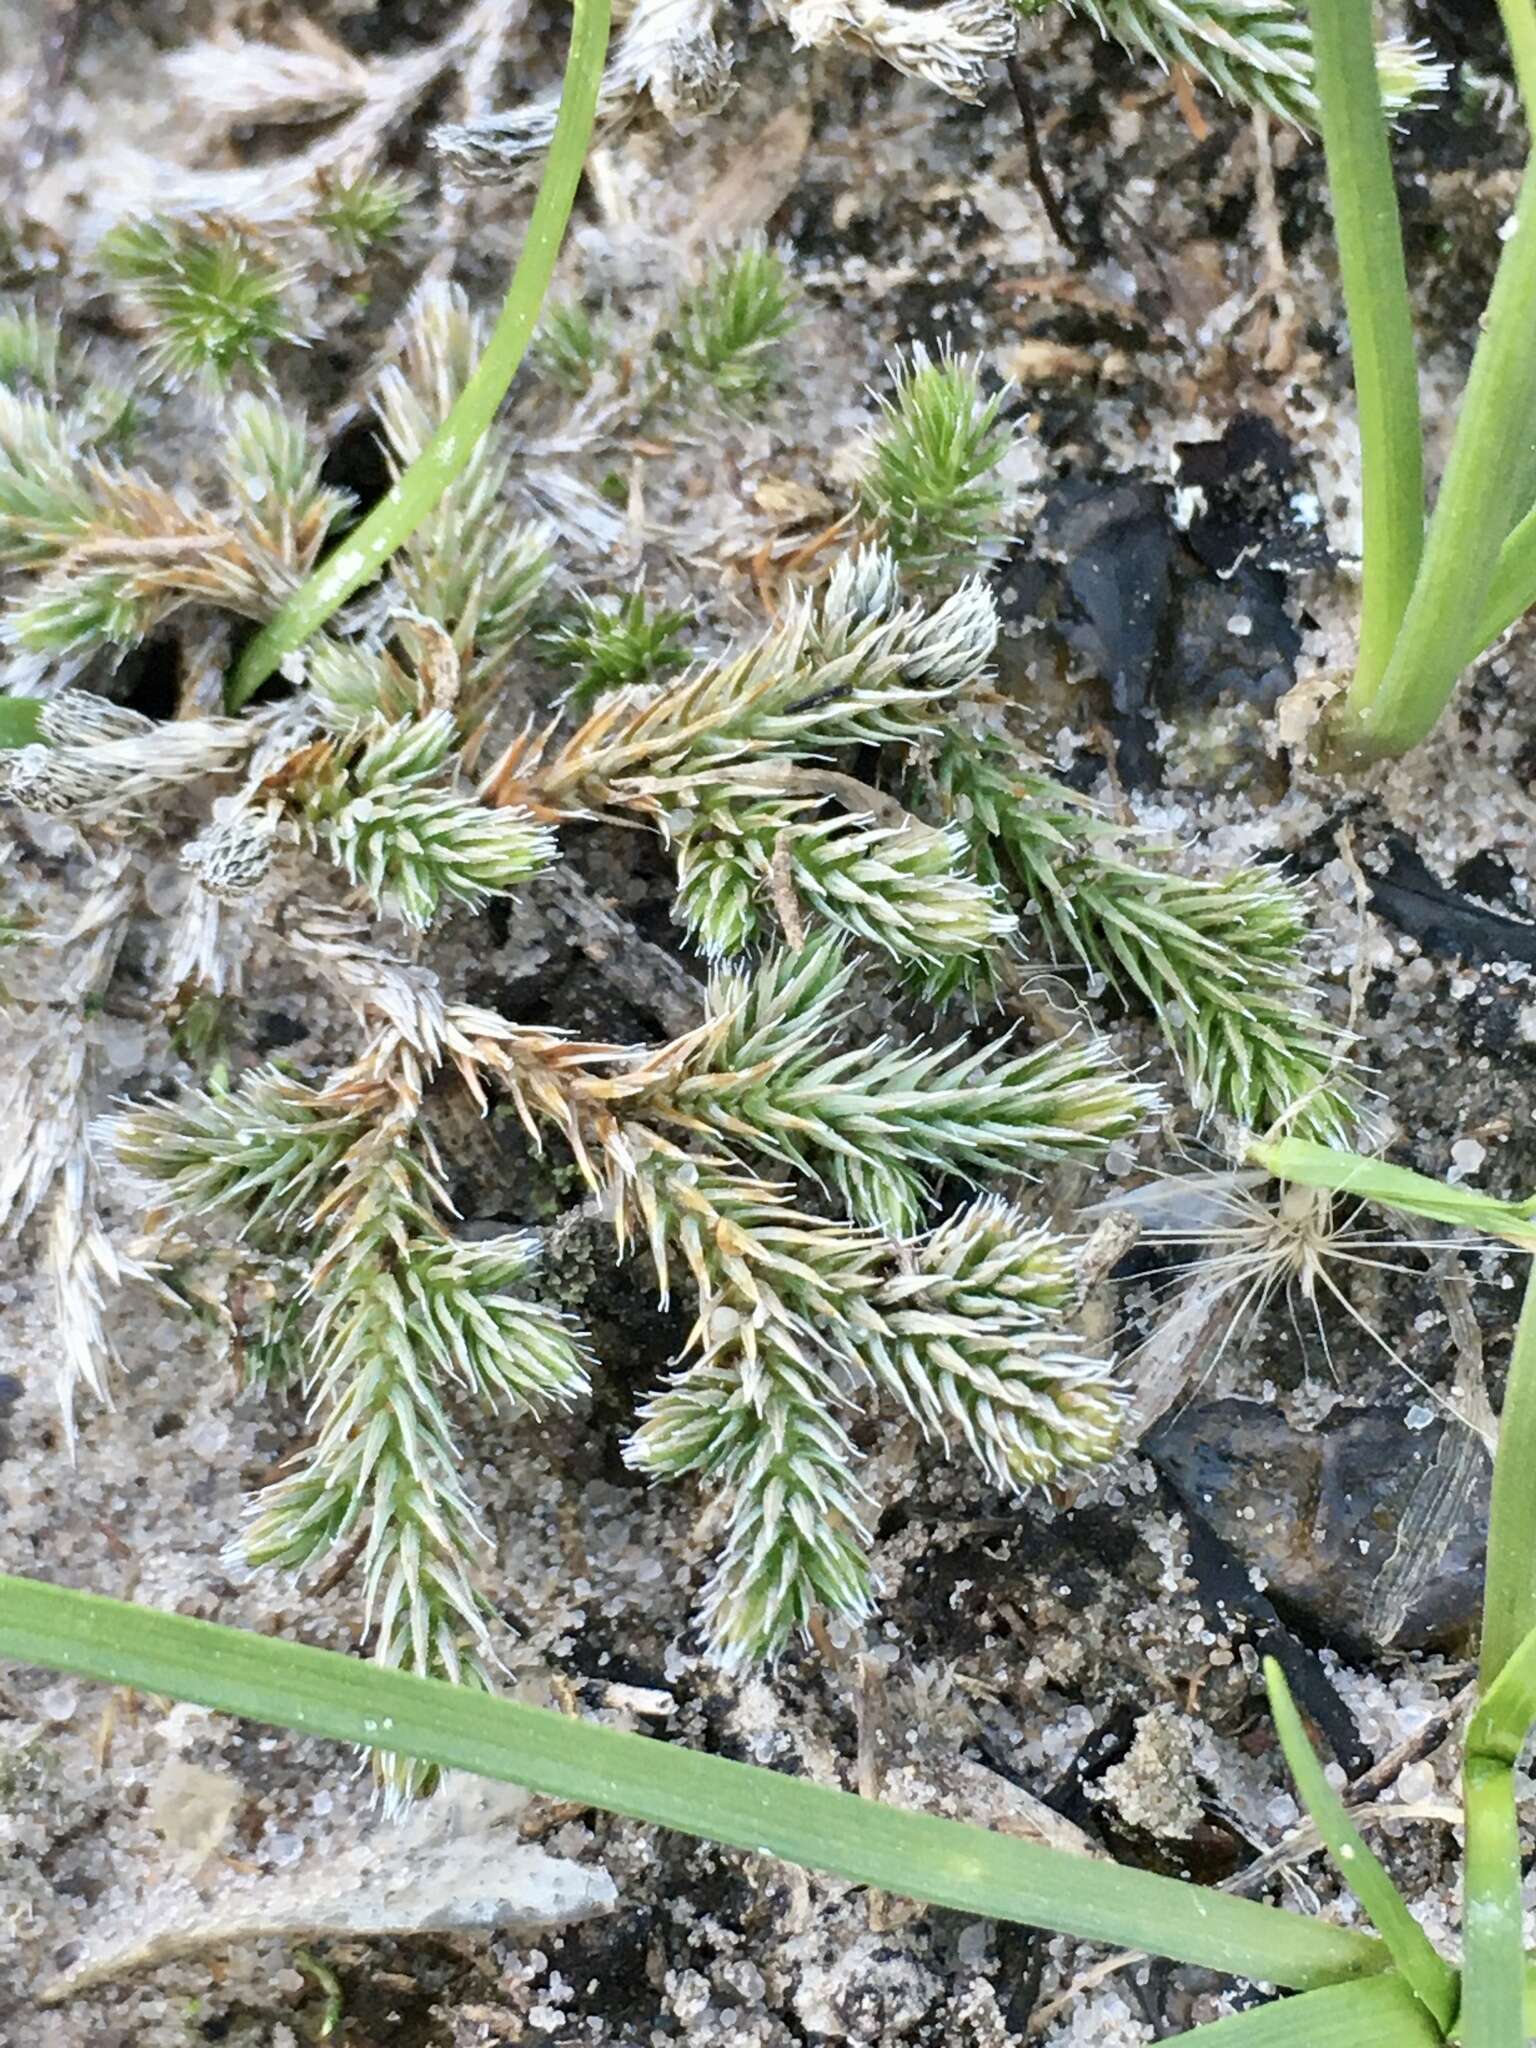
1173	618
1244	512
1443	920
1318	1515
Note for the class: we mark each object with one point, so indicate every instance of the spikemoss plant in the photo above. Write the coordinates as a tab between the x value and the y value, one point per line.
359	213
844	810
119	551
797	1179
571	346
726	326
695	1147
931	484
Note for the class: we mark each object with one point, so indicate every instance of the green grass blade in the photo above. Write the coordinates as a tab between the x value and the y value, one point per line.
1493	1996
395	518
1426	1973
1371	268
1512	592
1493	456
1380	2013
743	1806
1396	1187
1519	18
1520	26
1508	1708
18	720
1493	1967
1509	1594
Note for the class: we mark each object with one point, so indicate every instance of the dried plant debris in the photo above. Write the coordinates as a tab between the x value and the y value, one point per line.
668	53
458	1866
956	46
672	56
342	114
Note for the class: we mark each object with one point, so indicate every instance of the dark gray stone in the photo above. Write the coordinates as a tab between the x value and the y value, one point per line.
1319	1514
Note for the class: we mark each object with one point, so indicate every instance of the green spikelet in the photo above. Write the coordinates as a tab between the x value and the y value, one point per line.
906	889
118	552
757	1414
264	1151
36	361
882	1119
964	1329
402	1322
273	471
44	502
388	814
763	1426
570	346
970	1340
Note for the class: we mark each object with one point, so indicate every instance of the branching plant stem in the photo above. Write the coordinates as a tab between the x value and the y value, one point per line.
411	499
1424	1970
1491	2011
1509	1596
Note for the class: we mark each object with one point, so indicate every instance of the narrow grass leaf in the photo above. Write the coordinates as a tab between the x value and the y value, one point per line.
1512	592
1508	1708
1379	2013
1370	243
1509	1593
1396	1187
1483	495
1493	1967
318	1692
1520	26
1427	1974
1493	1997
